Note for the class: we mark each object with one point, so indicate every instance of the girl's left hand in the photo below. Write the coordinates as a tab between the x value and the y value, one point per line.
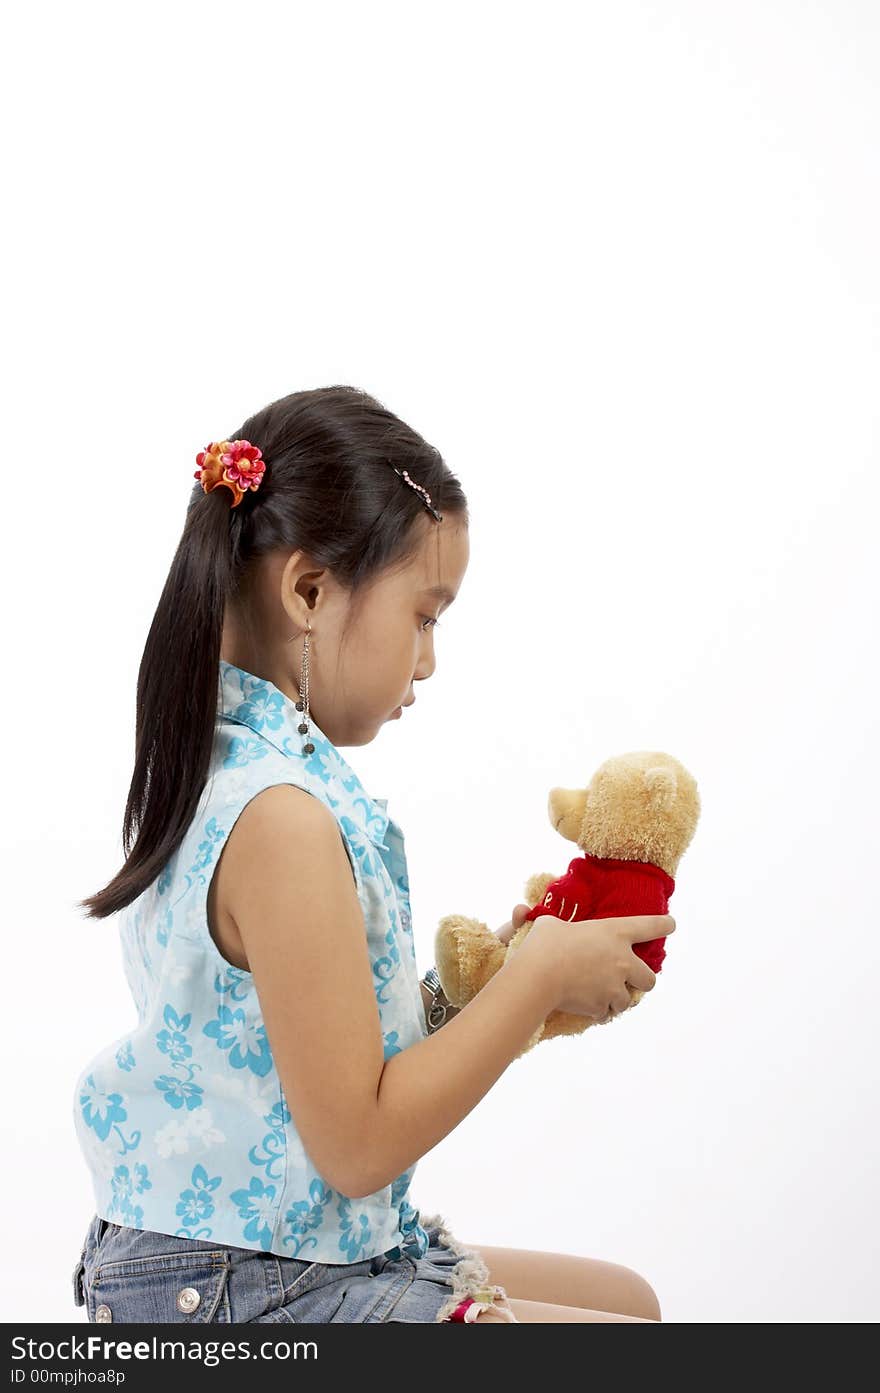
506	932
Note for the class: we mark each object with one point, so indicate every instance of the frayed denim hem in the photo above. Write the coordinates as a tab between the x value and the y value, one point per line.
469	1276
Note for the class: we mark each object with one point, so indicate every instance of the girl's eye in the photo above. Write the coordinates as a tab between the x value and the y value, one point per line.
428	620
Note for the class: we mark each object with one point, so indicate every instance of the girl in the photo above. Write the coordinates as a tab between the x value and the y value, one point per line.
251	1142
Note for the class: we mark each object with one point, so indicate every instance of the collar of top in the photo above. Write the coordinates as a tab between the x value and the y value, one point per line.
272	715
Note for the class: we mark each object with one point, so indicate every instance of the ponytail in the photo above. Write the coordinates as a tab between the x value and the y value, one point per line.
177	690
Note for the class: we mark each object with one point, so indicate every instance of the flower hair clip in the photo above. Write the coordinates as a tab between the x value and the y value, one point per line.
236	464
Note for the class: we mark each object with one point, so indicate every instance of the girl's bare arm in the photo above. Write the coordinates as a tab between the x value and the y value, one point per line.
285	878
426	1090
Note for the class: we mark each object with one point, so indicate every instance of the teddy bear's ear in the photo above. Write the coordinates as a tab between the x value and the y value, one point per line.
671	793
661	786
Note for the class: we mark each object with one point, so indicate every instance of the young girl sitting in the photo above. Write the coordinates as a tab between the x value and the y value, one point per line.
252	1140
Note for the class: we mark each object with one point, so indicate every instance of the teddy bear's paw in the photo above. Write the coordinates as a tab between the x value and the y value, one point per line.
536	887
450	922
565	1023
467	955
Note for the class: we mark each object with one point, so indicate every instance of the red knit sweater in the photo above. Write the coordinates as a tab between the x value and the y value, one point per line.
597	887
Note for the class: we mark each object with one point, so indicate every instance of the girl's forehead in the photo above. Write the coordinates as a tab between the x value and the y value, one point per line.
436	569
442	557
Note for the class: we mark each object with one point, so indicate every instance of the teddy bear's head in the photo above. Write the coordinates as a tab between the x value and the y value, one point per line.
641	806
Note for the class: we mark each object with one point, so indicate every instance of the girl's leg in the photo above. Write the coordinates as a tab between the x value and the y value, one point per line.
528	1311
606	1290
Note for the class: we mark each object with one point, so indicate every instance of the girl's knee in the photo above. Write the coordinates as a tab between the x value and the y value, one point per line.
645	1302
620	1288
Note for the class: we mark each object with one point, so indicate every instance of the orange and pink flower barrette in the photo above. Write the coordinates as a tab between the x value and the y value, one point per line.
236	464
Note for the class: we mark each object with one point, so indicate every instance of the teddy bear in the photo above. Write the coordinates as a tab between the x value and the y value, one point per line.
633	822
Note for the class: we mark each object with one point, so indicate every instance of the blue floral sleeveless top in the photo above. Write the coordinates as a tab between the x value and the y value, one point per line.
183	1122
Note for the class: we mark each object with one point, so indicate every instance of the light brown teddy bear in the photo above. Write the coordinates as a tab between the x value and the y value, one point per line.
633	822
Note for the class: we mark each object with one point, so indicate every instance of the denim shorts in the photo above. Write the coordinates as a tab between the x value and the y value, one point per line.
134	1275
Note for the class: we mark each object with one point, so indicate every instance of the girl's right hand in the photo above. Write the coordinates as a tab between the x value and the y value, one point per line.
590	962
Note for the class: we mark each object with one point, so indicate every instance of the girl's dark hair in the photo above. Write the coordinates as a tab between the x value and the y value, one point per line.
329	490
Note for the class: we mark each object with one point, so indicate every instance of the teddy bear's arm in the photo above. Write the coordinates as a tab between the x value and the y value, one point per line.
536	887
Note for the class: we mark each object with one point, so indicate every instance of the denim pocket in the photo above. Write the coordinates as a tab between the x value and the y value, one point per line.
189	1287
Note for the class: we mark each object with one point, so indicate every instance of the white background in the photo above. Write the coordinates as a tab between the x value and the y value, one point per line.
619	263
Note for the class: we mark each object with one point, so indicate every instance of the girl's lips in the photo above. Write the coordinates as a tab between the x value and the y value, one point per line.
395	714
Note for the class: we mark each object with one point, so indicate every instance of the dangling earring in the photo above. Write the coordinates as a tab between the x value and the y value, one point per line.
303	703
